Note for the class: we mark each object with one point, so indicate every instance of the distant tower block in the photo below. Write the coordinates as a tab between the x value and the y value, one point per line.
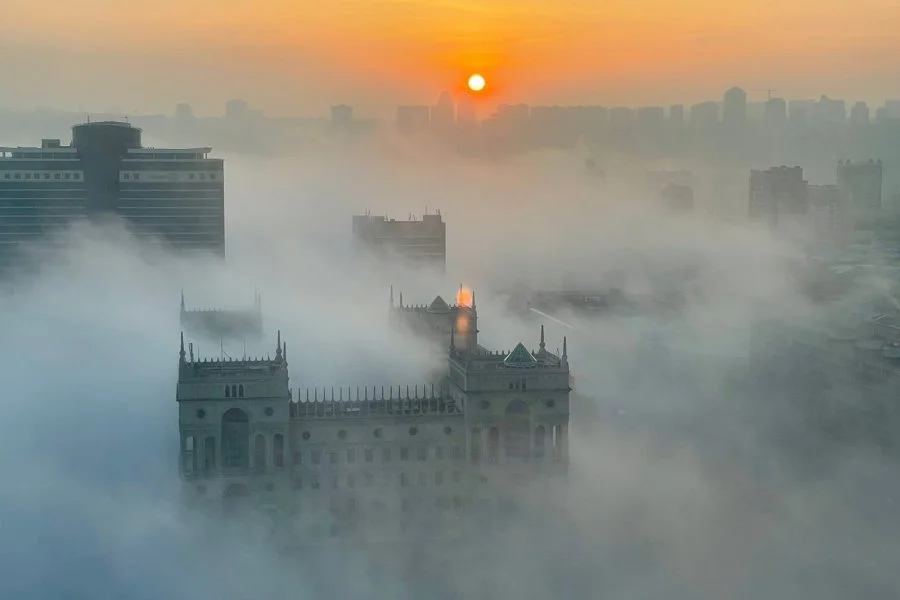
224	325
422	242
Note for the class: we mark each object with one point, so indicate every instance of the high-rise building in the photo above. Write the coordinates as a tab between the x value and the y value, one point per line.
704	115
177	195
859	114
419	241
861	183
775	113
777	193
413	119
341	117
734	108
676	114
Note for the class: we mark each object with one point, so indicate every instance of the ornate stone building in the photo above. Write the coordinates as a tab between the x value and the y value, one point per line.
379	462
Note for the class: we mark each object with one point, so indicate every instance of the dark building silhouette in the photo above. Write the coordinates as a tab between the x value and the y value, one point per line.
859	114
177	195
861	183
423	242
776	113
734	108
777	193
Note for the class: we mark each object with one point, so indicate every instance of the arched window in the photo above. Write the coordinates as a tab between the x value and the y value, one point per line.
540	440
493	445
240	391
236	439
227	392
209	453
278	450
190	454
259	459
234	391
517	430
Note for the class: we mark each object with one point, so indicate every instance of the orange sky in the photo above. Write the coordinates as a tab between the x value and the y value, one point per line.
292	56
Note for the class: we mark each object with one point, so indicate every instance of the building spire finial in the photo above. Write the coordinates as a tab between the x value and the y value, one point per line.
278	354
473	298
543	346
565	353
182	299
182	353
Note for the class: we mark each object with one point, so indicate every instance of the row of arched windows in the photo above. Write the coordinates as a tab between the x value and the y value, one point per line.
234	391
518	443
234	450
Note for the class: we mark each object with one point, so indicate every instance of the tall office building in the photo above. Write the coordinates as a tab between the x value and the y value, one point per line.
177	195
777	193
861	183
734	108
423	242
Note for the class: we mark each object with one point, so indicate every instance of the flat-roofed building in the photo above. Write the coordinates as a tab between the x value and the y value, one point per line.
419	241
176	195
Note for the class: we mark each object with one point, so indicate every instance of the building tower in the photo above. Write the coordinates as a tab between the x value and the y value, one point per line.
233	418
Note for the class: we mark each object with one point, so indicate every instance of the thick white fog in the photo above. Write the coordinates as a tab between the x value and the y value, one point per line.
689	479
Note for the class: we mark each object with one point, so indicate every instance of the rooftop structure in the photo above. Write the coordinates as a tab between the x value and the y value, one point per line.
438	320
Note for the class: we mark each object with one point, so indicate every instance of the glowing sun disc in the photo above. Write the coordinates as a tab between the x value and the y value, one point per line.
476	82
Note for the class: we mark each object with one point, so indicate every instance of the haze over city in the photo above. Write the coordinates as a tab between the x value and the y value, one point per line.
711	273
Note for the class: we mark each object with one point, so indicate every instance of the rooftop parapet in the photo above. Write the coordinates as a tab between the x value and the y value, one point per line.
395	401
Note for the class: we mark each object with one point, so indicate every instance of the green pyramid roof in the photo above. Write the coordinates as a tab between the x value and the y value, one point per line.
519	357
438	305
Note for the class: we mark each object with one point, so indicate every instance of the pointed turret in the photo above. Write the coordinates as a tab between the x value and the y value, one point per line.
182	353
278	354
542	346
565	354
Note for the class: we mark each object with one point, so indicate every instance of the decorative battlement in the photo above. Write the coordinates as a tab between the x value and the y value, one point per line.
189	367
373	401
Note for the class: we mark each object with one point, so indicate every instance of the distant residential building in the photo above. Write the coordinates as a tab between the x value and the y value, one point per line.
801	112
218	325
422	242
775	113
341	117
734	108
678	198
827	209
176	195
829	110
620	118
861	183
704	115
859	114
676	114
414	119
777	193
443	116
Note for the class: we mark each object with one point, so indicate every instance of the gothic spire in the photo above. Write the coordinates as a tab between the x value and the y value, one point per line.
543	346
181	354
278	347
565	353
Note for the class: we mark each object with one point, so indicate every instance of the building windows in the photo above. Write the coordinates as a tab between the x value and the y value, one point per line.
369	454
259	455
227	391
67	176
209	453
413	431
476	444
305	435
422	453
342	434
333	458
190	454
76	175
298	457
377	432
448	430
235	438
201	413
240	391
278	450
56	176
314	484
404	453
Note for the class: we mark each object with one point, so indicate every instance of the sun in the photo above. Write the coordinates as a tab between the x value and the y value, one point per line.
476	82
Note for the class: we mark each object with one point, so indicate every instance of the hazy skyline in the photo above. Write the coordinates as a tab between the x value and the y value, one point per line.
289	59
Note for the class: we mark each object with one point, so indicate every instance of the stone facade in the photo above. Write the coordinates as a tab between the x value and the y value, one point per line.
380	462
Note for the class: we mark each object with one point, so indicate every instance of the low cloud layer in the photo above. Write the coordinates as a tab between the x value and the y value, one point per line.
690	478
